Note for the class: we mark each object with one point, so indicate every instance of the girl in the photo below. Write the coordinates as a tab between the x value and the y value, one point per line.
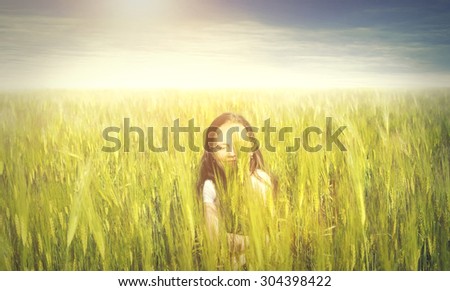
223	166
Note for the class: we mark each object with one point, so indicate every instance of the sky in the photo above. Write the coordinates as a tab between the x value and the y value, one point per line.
224	44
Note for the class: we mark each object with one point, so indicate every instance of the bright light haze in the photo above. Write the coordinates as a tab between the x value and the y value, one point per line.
223	44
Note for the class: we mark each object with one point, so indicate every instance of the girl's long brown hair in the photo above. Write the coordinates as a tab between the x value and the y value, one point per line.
210	169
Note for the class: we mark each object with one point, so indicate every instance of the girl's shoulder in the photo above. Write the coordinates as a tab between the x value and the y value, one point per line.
209	192
262	182
261	177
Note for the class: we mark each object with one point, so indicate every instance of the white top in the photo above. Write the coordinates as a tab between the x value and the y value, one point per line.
209	189
209	192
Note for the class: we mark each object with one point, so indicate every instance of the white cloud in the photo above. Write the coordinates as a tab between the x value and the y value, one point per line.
62	52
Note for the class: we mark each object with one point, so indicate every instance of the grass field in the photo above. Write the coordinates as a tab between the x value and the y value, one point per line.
384	204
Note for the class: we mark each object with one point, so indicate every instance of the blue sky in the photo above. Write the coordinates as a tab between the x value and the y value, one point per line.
284	43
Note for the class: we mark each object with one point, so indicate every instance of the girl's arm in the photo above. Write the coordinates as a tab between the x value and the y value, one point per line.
237	242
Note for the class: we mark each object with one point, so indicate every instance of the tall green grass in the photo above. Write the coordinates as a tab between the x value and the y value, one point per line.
384	204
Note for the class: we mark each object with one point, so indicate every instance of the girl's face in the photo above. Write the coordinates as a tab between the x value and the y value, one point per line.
229	144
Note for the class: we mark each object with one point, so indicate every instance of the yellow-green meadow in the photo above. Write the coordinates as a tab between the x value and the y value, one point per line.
383	204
